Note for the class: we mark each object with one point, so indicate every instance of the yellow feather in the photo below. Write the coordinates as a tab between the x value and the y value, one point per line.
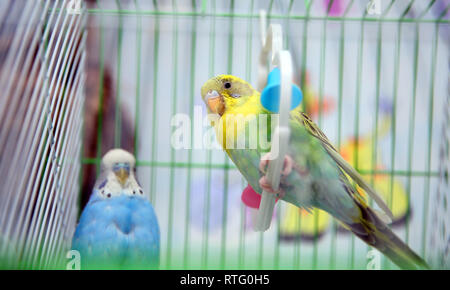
249	105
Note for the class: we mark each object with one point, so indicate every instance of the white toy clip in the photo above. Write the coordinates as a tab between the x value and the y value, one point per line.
272	42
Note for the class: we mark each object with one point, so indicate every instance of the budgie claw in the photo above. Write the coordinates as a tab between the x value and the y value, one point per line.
287	166
287	169
265	185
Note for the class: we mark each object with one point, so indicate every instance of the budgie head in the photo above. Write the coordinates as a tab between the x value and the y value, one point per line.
118	175
225	93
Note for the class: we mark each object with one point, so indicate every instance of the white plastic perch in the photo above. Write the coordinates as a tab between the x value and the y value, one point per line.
272	42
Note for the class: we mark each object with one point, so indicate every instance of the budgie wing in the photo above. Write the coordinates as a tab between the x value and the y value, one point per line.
314	130
144	238
247	162
100	243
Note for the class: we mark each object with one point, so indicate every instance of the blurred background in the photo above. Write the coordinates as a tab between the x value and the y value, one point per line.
81	77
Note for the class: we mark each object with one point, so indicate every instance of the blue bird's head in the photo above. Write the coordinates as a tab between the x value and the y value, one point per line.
118	175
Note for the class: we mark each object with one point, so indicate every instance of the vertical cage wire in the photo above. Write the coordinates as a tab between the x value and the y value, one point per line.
42	80
439	255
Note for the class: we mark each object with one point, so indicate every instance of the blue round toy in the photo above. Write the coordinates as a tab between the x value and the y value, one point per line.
270	96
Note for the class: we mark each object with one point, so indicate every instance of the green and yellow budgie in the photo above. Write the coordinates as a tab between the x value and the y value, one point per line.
314	174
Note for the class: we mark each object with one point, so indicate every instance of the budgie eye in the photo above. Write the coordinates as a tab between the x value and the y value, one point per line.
227	85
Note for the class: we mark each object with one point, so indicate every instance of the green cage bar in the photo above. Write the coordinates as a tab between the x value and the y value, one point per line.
206	226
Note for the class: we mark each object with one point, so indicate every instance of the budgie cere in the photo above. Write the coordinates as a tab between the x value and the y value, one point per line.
314	174
118	228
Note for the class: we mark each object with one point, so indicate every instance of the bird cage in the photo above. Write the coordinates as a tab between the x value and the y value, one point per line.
81	77
42	79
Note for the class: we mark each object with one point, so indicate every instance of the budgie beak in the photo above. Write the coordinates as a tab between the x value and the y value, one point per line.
122	173
215	102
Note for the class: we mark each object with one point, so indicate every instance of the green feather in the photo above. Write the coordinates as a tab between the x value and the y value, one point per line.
318	178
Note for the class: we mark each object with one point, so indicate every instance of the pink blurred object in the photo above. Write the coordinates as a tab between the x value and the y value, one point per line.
336	7
251	198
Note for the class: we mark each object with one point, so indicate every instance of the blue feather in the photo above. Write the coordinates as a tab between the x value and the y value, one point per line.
120	232
103	184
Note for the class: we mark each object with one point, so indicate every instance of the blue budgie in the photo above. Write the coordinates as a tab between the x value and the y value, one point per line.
118	228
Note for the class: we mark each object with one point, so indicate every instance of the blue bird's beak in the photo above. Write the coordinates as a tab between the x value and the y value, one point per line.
122	172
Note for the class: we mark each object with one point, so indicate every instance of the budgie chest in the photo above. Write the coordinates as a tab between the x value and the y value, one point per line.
119	232
239	125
